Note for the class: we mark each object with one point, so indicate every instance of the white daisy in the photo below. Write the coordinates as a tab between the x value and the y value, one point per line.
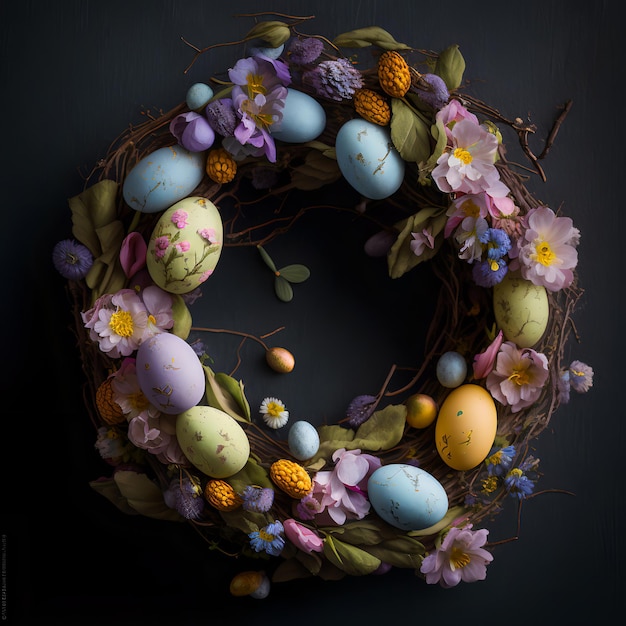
274	412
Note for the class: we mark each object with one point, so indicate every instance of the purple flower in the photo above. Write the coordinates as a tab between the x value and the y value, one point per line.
221	116
360	409
304	51
335	80
184	496
71	259
499	461
580	376
259	499
268	539
489	272
460	557
518	484
435	92
192	131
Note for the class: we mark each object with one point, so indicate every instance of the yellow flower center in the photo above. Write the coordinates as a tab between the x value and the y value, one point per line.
263	534
255	85
138	401
490	484
544	254
494	265
519	377
458	558
463	155
261	120
121	323
274	409
471	209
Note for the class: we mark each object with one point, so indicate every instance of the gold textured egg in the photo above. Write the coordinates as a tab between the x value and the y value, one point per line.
245	583
280	360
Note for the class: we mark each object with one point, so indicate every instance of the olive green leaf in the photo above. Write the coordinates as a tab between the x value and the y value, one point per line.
273	32
401	258
246	521
371	35
409	133
350	559
332	438
401	551
181	316
267	258
446	520
283	289
295	273
450	66
109	489
319	168
294	568
219	397
283	277
382	430
250	474
438	132
366	532
236	389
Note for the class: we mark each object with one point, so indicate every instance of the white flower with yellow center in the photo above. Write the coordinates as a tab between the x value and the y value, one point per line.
274	413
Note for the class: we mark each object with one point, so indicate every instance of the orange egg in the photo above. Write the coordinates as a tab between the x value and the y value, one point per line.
466	427
421	410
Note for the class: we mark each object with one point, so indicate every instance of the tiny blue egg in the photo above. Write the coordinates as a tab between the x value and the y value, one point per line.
303	440
368	159
304	118
162	178
406	496
451	369
198	96
271	53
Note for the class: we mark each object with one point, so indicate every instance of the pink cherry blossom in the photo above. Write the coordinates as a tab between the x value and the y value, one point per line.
302	537
179	218
483	362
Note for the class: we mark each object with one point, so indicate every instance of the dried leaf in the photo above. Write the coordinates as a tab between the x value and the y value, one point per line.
450	66
371	35
349	558
272	32
220	398
283	289
295	273
409	133
236	389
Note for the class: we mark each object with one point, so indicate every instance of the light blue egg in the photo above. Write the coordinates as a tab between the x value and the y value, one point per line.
304	118
271	53
368	159
198	96
407	497
162	178
303	440
451	369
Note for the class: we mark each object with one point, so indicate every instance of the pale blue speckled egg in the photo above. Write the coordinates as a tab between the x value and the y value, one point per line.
303	440
407	497
304	118
198	96
368	159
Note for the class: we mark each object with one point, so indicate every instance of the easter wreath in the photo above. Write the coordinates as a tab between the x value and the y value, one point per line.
166	201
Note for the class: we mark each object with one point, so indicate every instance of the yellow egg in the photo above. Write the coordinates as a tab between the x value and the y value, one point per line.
521	309
466	427
213	441
185	245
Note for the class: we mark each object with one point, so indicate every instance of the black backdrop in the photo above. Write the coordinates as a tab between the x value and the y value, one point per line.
74	74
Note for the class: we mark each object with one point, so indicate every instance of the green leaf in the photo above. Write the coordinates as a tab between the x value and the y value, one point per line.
295	273
401	551
246	521
220	398
401	258
181	316
450	66
319	168
283	289
409	133
236	390
446	520
383	430
267	258
250	474
350	559
371	35
438	132
332	438
273	32
366	532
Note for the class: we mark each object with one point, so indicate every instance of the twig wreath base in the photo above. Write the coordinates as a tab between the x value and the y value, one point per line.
463	322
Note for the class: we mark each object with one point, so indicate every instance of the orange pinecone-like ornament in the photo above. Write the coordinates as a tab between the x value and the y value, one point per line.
109	410
394	74
221	495
220	166
292	478
372	107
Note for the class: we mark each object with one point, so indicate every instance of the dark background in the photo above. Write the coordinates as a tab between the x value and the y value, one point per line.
73	76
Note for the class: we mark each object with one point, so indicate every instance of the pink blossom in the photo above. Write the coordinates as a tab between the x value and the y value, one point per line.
155	432
460	557
158	303
422	241
179	218
547	252
468	165
483	362
342	491
133	254
204	276
126	390
452	113
209	234
302	537
182	246
518	377
161	244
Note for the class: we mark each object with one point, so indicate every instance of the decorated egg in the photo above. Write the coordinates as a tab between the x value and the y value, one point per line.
212	441
162	178
451	369
466	427
304	118
521	309
406	496
198	96
185	245
368	160
170	373
303	440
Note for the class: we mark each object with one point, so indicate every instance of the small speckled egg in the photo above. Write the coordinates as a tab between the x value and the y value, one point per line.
303	440
466	427
368	160
170	373
521	309
198	96
304	118
212	441
406	496
162	178
451	369
280	360
185	245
